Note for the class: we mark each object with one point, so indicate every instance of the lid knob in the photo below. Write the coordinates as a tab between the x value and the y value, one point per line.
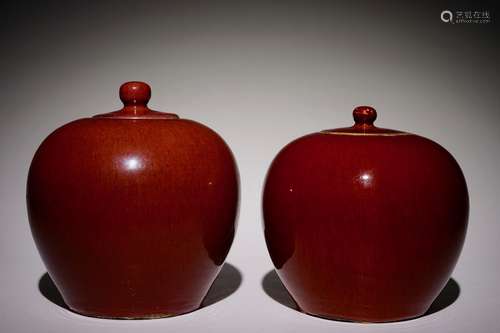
364	115
135	93
135	96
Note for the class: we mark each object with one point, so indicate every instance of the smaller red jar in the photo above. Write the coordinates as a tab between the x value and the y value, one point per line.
133	212
364	223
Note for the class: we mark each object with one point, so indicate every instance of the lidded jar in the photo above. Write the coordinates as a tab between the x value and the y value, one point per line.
364	223
133	211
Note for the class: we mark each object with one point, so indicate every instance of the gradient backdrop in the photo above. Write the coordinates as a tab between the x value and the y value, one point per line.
260	74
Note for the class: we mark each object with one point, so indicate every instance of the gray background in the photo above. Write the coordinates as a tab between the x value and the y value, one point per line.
260	74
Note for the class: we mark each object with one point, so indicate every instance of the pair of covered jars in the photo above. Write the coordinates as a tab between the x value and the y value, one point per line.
134	212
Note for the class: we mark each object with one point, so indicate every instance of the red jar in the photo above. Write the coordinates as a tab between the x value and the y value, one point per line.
364	223
133	211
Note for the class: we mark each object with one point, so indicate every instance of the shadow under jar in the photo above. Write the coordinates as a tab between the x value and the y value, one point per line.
133	211
364	223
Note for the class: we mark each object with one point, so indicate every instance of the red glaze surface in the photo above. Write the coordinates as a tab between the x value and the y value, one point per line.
364	224
133	212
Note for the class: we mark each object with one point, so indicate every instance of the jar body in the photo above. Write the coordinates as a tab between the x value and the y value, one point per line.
133	218
364	227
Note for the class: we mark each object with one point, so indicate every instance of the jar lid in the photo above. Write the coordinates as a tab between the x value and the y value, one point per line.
135	96
364	118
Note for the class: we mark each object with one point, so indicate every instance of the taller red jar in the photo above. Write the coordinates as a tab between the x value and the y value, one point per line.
133	212
364	223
